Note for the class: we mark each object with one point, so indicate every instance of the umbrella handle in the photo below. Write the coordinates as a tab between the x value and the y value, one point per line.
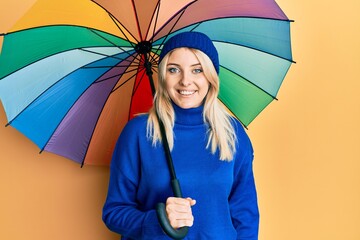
165	224
162	216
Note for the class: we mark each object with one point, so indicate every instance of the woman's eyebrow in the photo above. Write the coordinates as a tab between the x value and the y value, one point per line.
178	65
174	64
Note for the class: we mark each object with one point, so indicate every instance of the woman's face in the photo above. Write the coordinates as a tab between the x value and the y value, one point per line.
186	83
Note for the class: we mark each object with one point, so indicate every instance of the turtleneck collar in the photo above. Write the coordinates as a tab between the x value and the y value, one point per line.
190	116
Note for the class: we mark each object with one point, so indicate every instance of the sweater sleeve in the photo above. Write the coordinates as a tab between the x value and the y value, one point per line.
243	197
120	212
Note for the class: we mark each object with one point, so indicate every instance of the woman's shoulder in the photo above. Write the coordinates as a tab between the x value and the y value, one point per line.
138	119
238	128
243	142
136	124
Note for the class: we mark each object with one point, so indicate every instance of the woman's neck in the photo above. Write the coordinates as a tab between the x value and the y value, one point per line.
190	116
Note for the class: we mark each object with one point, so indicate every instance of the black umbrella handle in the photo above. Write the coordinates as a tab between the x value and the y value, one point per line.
164	221
160	207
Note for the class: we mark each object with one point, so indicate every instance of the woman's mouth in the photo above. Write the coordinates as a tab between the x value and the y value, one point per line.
186	92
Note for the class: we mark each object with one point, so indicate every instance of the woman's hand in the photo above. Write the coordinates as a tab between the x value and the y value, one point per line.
179	211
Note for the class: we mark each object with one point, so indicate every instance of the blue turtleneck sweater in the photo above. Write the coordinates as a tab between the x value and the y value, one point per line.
226	202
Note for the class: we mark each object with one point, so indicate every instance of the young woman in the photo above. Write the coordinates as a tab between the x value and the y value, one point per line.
211	152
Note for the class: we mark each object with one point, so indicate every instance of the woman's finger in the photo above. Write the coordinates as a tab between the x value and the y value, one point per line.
179	211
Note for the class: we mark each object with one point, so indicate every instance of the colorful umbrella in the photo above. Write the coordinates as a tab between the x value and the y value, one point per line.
72	73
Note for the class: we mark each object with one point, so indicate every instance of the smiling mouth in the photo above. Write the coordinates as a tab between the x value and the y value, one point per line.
186	92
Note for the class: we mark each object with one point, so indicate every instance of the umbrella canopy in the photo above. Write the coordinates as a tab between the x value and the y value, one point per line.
72	73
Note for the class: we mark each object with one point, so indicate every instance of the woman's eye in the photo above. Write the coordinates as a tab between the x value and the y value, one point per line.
173	70
198	70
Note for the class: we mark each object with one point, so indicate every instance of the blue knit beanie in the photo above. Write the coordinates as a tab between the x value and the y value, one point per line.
194	40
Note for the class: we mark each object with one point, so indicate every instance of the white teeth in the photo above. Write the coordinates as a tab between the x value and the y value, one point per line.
184	92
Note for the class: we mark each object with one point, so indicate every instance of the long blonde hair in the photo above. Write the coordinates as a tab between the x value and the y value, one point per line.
221	135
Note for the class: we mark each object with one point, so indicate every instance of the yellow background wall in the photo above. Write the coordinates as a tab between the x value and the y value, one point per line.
307	148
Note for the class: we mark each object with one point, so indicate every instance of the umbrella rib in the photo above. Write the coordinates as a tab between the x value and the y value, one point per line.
116	75
111	56
171	18
259	50
182	12
121	48
127	80
104	66
111	66
105	55
137	21
117	25
113	18
92	132
156	14
195	26
137	86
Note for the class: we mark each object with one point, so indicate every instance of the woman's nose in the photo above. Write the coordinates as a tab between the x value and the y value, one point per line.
185	80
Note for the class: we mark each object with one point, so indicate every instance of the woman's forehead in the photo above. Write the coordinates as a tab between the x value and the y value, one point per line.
183	56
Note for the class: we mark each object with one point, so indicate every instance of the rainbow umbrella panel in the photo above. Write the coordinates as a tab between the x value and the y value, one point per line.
72	73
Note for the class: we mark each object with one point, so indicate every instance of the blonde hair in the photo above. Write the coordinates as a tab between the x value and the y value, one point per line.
221	135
